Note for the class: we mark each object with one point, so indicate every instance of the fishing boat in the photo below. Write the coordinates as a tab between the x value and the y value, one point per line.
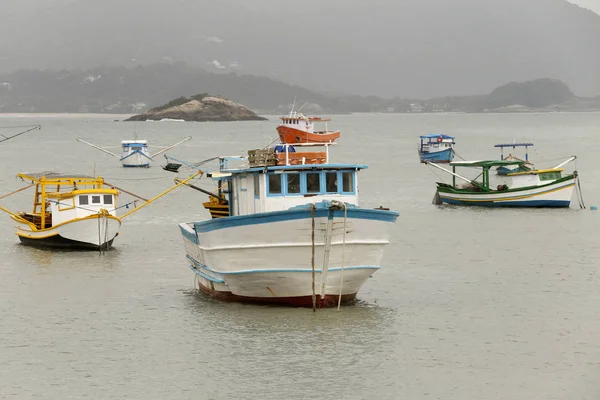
535	188
286	232
507	169
436	148
72	211
298	128
134	153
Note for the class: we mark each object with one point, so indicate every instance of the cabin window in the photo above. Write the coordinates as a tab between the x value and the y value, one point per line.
96	200
293	183
313	182
256	186
274	183
83	200
347	182
331	184
108	199
548	176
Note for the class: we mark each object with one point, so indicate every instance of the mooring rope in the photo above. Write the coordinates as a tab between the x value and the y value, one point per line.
314	294
343	256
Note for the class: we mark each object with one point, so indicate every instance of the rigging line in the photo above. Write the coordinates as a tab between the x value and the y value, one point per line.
343	255
459	156
312	263
16	191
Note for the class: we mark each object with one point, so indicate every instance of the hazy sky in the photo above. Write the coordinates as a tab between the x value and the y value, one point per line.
593	5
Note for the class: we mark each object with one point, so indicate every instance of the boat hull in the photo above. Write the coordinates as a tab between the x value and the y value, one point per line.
89	233
554	195
291	136
266	257
136	159
440	157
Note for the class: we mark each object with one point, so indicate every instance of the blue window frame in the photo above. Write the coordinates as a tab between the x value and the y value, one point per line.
309	182
293	184
274	185
348	185
331	182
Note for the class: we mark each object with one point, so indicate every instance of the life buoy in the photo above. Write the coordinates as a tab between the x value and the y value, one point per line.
439	139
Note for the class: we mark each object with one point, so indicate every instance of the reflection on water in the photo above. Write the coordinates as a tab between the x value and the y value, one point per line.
470	303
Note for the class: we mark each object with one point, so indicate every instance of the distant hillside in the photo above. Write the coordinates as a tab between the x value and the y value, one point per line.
538	93
134	90
387	48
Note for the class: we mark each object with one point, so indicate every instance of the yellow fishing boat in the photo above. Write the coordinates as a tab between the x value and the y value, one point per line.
72	211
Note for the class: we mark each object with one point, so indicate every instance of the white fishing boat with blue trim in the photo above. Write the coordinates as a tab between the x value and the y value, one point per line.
287	228
507	169
523	188
134	153
436	148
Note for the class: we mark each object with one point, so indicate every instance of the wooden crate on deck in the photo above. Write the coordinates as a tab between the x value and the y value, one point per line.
316	157
262	157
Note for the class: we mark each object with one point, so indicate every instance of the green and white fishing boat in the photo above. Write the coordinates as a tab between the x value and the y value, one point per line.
534	188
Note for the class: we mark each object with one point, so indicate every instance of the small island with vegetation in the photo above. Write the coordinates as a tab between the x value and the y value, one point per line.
200	108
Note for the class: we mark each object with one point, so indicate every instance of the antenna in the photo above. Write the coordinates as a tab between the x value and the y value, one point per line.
305	103
293	105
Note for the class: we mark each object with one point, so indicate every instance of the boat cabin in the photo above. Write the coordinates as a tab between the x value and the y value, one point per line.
131	146
436	147
273	181
60	198
514	180
296	120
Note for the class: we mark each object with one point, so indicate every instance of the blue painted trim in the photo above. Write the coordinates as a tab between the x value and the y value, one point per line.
207	277
295	213
137	166
268	186
189	236
532	203
134	152
294	270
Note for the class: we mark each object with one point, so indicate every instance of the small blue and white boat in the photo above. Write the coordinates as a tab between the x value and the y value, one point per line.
286	229
436	148
134	153
508	169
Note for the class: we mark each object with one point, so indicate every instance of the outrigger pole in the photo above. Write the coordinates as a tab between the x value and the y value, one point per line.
565	162
177	180
170	147
450	172
5	138
185	181
98	147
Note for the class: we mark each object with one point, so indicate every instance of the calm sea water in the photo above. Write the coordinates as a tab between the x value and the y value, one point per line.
470	304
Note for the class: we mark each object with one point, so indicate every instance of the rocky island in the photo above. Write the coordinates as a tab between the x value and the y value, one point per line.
200	108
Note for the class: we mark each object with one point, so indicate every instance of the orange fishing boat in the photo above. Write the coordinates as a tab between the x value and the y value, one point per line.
297	128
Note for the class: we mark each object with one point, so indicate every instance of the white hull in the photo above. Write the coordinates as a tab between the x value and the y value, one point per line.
90	232
268	259
136	159
553	195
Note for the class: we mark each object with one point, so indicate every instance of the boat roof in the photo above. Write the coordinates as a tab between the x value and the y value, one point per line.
297	167
513	145
486	163
437	135
134	142
53	176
